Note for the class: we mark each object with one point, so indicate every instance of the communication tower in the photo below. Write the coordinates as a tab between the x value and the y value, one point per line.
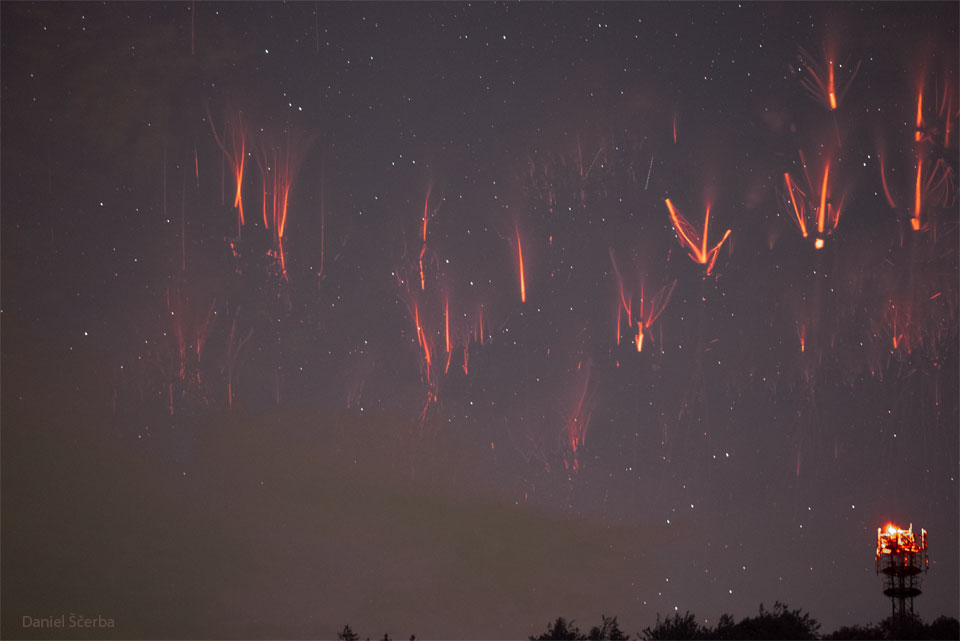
902	558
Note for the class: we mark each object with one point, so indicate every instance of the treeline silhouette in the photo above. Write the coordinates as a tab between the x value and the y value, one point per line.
779	623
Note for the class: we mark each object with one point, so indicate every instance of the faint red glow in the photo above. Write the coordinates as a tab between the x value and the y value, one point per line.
886	188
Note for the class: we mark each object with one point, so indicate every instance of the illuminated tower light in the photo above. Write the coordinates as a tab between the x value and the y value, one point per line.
901	557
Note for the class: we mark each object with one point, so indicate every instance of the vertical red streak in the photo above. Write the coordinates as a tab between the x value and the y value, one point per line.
423	282
283	258
639	339
426	202
196	165
917	198
674	128
523	286
423	247
946	134
831	92
886	189
618	324
918	135
706	225
266	220
821	213
283	209
416	322
446	323
803	337
422	339
466	359
237	157
796	210
238	169
481	325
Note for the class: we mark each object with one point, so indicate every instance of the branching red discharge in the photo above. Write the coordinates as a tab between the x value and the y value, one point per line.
689	237
649	309
898	320
885	307
650	312
235	343
278	168
822	212
800	218
236	155
575	428
820	83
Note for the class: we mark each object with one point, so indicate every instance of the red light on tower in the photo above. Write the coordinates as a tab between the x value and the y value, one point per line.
901	557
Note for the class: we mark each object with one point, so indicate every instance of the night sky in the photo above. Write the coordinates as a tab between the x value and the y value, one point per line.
401	315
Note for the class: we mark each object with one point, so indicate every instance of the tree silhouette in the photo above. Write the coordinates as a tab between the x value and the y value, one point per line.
676	627
347	634
560	630
780	623
608	630
901	628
